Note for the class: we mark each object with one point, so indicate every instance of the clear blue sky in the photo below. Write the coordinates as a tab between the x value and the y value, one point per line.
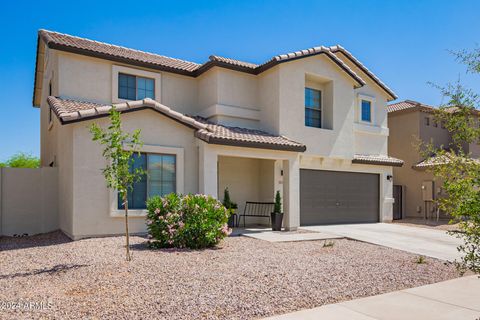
404	42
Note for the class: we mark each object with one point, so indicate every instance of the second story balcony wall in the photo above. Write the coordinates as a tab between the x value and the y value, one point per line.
229	98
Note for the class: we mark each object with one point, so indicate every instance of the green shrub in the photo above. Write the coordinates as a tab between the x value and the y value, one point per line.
22	160
190	221
278	203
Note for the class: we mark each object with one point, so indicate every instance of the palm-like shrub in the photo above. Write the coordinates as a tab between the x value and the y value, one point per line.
190	221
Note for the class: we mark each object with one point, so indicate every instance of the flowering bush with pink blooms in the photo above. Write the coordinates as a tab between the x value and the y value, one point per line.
190	221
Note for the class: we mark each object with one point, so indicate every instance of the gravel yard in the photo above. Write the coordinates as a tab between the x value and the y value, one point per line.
242	279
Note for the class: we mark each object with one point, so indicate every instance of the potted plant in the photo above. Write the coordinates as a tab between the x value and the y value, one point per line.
231	207
277	214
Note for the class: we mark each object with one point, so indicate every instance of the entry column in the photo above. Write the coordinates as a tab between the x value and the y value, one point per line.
291	193
207	170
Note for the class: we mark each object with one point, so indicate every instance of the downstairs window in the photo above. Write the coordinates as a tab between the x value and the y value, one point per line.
160	179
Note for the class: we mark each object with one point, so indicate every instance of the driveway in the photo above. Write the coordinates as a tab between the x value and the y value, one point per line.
432	243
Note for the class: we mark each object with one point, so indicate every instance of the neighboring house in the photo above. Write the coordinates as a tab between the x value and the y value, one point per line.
411	124
312	124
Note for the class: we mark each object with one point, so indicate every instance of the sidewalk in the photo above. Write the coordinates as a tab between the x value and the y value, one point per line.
454	299
283	236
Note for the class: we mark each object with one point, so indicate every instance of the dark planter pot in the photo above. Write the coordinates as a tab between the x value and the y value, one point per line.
277	219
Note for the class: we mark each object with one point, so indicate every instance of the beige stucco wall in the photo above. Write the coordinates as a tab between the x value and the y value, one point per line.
337	142
28	201
370	139
268	100
91	205
90	79
437	135
403	142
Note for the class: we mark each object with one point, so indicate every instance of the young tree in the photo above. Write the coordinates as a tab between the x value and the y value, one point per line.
21	160
455	166
119	147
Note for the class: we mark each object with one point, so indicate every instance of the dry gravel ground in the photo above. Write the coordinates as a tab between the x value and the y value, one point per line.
244	278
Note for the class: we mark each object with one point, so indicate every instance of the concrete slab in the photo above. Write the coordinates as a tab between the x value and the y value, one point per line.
449	300
401	305
433	243
284	236
464	292
328	312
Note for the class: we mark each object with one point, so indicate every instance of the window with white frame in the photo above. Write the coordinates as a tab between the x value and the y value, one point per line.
132	87
159	180
313	108
366	109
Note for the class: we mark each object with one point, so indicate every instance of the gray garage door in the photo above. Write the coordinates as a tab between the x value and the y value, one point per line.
338	197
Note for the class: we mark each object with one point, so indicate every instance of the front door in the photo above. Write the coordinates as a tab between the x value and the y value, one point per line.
397	205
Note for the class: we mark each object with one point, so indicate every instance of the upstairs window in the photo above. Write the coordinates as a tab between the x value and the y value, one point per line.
366	112
135	88
313	108
159	181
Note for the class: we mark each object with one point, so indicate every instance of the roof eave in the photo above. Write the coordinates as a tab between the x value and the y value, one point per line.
378	163
272	63
248	144
109	57
357	63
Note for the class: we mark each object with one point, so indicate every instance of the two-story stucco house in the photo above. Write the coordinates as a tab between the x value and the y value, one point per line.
312	124
412	124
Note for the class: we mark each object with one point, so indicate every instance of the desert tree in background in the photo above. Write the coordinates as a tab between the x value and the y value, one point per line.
455	167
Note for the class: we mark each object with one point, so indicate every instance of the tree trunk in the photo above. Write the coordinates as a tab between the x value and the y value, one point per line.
125	201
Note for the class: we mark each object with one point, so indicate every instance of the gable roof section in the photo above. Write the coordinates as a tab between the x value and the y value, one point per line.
70	111
362	67
259	68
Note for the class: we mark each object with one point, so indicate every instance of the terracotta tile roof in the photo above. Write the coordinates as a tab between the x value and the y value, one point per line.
409	105
62	41
257	69
440	160
69	111
362	67
311	52
225	135
377	160
103	50
233	62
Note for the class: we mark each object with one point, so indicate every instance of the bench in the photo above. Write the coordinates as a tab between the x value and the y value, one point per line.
256	209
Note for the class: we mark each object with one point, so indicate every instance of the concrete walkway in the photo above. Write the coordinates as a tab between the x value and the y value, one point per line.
432	243
282	236
454	299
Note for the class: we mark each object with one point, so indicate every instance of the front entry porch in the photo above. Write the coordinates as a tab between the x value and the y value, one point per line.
252	174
